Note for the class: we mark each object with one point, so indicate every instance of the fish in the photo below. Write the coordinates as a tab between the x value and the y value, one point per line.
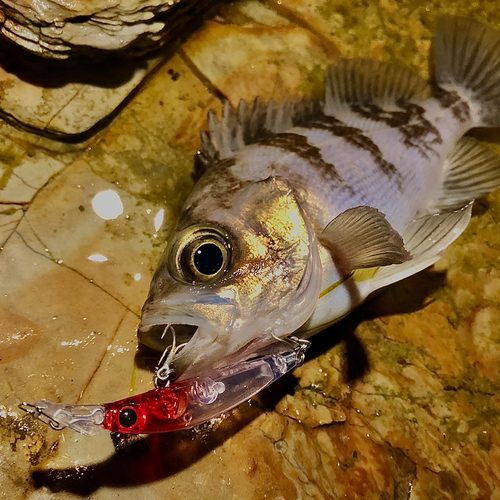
304	208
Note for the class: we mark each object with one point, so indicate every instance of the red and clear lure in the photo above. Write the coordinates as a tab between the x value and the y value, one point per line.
181	405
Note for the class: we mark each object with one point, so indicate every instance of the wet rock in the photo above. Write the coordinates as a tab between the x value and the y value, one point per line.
311	408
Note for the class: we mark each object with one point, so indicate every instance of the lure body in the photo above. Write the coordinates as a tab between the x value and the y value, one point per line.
181	405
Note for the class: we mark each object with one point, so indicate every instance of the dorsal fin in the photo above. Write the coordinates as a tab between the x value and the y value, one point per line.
250	123
367	81
352	81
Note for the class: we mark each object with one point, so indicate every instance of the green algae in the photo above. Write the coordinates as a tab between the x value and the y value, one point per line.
26	436
10	158
313	85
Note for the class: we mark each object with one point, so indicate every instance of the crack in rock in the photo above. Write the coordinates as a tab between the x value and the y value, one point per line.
115	333
59	262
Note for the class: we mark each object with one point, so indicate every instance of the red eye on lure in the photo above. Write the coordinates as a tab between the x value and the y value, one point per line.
181	405
159	410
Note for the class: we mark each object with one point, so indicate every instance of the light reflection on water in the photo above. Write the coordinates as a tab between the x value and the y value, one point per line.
159	219
97	257
107	204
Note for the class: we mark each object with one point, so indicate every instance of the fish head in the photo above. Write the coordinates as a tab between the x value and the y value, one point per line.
242	271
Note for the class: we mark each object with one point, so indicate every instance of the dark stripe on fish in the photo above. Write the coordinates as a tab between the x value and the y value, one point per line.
355	137
417	131
219	184
299	145
451	100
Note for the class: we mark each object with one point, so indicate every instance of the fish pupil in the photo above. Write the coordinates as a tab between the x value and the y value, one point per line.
208	259
128	417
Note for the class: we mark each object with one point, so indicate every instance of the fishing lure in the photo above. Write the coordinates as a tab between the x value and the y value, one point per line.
181	405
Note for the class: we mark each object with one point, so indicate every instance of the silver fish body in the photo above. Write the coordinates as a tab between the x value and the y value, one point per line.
306	208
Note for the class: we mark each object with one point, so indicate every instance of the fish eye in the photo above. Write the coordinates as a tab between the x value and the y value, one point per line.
208	259
200	256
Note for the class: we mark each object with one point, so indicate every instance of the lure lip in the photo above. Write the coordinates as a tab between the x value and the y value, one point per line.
181	405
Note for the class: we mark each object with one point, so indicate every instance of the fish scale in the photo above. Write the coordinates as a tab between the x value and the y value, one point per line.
368	184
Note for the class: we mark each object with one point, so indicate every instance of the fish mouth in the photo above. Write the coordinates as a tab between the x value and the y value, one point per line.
199	339
188	341
173	327
160	336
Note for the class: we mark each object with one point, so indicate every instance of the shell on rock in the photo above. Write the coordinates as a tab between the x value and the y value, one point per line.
58	29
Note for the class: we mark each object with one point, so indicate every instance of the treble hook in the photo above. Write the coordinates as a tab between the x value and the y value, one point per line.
163	371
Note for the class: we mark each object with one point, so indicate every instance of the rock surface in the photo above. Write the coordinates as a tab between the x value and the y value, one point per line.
66	102
399	401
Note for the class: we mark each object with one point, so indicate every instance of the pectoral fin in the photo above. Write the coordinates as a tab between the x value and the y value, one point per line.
360	238
426	238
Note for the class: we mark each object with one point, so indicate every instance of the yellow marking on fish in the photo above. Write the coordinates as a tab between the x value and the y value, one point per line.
365	274
331	287
358	275
335	285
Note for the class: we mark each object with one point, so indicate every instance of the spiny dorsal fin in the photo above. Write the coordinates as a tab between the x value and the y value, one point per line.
426	238
367	81
352	81
470	171
360	238
250	123
467	60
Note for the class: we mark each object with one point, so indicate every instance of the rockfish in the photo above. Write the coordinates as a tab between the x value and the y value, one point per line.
305	208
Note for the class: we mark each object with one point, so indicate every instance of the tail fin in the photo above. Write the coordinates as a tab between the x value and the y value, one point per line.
467	60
